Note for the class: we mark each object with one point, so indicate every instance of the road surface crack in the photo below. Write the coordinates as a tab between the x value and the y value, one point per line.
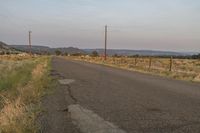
70	94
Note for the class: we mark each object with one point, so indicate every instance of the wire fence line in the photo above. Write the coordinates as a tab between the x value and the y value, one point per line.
188	69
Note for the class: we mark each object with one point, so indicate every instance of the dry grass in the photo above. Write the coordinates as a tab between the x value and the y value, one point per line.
19	109
183	69
14	57
15	73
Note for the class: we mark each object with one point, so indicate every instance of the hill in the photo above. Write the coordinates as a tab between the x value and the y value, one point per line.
5	48
72	50
47	50
125	52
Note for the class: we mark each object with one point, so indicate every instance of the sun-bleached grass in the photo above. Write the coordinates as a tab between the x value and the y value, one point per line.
15	57
20	104
182	69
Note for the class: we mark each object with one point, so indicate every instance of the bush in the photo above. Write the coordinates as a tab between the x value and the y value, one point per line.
95	54
2	53
7	52
76	54
196	56
58	52
66	54
116	55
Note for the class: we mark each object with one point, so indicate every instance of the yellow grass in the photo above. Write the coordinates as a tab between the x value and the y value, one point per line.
19	111
21	56
183	69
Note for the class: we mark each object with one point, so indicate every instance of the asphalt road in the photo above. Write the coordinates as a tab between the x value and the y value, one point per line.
133	101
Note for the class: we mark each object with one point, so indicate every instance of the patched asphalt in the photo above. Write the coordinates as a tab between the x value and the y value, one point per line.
132	101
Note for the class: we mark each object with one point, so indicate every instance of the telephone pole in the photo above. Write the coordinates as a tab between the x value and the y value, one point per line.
30	42
105	51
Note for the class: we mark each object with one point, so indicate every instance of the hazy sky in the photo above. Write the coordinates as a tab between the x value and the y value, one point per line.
133	24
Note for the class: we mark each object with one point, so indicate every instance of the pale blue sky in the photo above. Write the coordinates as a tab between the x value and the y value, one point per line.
133	24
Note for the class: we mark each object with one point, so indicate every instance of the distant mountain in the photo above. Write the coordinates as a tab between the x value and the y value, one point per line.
72	50
34	49
125	52
47	50
4	48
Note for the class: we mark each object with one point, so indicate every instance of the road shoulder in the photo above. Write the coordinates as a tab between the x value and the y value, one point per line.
55	117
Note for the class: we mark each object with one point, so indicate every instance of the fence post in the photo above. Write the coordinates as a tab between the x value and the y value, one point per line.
171	63
113	60
150	62
135	61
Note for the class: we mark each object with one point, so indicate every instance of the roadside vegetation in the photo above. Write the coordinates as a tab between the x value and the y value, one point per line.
23	81
182	69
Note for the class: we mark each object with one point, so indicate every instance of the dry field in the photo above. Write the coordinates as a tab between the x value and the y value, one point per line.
14	57
183	69
23	81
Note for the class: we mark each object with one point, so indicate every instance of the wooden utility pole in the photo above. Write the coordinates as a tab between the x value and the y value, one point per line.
105	51
30	42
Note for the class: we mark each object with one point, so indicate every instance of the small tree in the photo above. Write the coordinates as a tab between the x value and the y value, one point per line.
76	54
196	56
7	52
58	52
66	54
95	54
116	55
